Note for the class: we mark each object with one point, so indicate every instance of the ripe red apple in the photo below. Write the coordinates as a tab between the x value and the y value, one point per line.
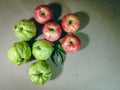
71	43
52	31
70	23
43	14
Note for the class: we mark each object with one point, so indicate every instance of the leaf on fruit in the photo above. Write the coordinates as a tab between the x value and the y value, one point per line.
61	58
60	49
54	57
58	55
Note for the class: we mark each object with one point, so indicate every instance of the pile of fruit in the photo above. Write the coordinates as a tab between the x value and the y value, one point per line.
54	41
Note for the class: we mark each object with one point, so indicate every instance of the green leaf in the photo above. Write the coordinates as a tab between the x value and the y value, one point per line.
58	54
53	58
62	59
59	47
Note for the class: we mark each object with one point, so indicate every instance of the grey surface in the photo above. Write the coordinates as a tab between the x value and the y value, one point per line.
95	67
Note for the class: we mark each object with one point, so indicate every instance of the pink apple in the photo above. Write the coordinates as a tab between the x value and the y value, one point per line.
70	23
52	31
43	14
71	43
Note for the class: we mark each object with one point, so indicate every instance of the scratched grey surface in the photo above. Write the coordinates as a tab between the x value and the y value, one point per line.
95	67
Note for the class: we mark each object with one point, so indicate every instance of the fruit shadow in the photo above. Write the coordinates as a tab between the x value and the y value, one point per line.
84	19
56	68
56	9
84	39
38	28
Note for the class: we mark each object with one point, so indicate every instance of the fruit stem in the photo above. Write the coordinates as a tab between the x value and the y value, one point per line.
40	74
51	29
21	28
71	42
70	21
43	13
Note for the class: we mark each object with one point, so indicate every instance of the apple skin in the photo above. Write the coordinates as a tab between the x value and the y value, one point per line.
42	49
39	72
19	53
43	14
71	43
25	30
70	23
52	31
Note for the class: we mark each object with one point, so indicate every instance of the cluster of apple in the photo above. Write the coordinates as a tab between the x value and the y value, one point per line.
52	31
25	30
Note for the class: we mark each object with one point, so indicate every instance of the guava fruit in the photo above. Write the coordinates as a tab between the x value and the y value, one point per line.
39	72
42	49
19	53
25	30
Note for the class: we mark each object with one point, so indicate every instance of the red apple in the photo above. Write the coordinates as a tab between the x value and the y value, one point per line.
71	43
70	23
52	31
43	14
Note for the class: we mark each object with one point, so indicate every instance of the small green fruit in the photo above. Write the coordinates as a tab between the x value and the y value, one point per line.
39	72
42	49
19	53
25	30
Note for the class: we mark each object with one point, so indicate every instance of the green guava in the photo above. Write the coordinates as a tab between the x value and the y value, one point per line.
42	49
39	72
25	30
19	53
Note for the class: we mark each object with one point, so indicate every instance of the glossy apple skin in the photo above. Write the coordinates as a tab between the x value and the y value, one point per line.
52	31
71	43
43	14
70	23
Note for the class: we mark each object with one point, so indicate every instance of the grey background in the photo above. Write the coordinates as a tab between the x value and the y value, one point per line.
95	67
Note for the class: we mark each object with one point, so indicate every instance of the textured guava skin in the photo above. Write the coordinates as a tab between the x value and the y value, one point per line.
19	53
25	30
42	49
39	72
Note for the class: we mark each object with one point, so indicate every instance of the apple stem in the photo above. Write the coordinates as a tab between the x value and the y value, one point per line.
51	29
70	22
70	42
43	14
22	59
